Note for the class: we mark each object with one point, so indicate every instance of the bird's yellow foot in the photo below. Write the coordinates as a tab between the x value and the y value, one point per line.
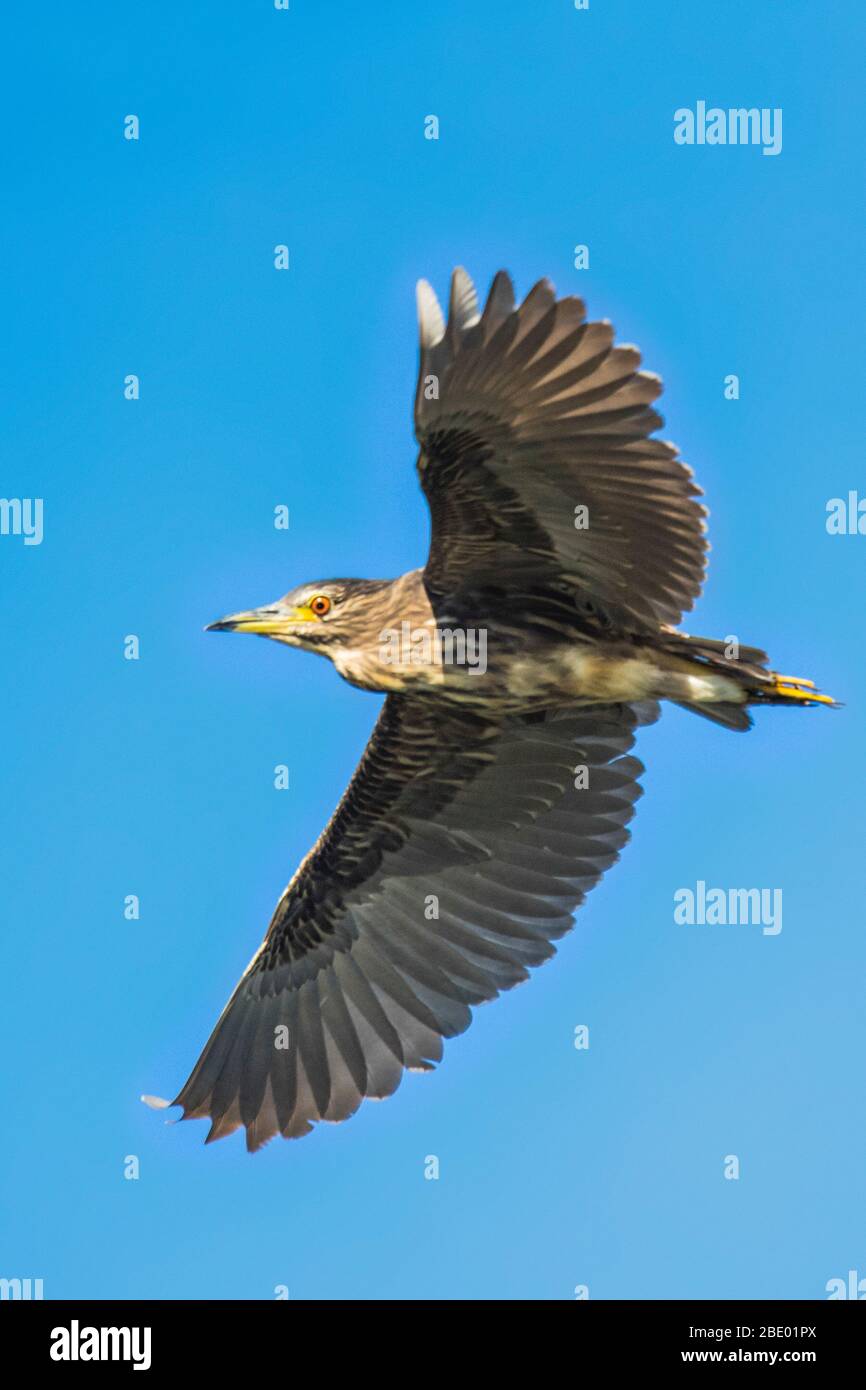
797	688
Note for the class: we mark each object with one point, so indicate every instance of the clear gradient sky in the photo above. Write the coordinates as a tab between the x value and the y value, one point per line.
257	127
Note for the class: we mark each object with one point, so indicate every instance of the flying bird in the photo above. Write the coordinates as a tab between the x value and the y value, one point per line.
566	542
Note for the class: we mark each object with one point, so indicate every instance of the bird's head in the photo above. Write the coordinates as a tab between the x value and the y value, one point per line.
321	616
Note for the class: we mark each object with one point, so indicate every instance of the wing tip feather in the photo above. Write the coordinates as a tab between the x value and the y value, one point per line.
431	323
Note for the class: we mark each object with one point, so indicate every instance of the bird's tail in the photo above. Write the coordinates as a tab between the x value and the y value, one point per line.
747	667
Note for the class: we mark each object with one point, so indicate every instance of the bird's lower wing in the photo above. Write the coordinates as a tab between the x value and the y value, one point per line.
457	856
537	463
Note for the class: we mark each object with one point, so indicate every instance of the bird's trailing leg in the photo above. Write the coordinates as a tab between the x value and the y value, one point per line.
796	688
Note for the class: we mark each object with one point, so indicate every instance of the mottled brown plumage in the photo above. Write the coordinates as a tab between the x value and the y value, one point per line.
493	794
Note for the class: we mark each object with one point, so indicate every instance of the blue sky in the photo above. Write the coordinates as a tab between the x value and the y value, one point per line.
558	1167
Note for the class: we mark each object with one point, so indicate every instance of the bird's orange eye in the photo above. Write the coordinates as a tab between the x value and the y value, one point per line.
320	604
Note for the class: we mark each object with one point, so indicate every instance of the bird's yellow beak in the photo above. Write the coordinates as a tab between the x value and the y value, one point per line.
267	622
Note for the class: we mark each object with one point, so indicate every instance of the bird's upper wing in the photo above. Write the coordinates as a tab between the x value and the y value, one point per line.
456	856
523	415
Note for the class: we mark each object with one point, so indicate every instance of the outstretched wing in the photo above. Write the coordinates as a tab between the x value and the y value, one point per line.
456	856
525	414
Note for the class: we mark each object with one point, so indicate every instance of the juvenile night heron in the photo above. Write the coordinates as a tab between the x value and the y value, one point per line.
497	783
